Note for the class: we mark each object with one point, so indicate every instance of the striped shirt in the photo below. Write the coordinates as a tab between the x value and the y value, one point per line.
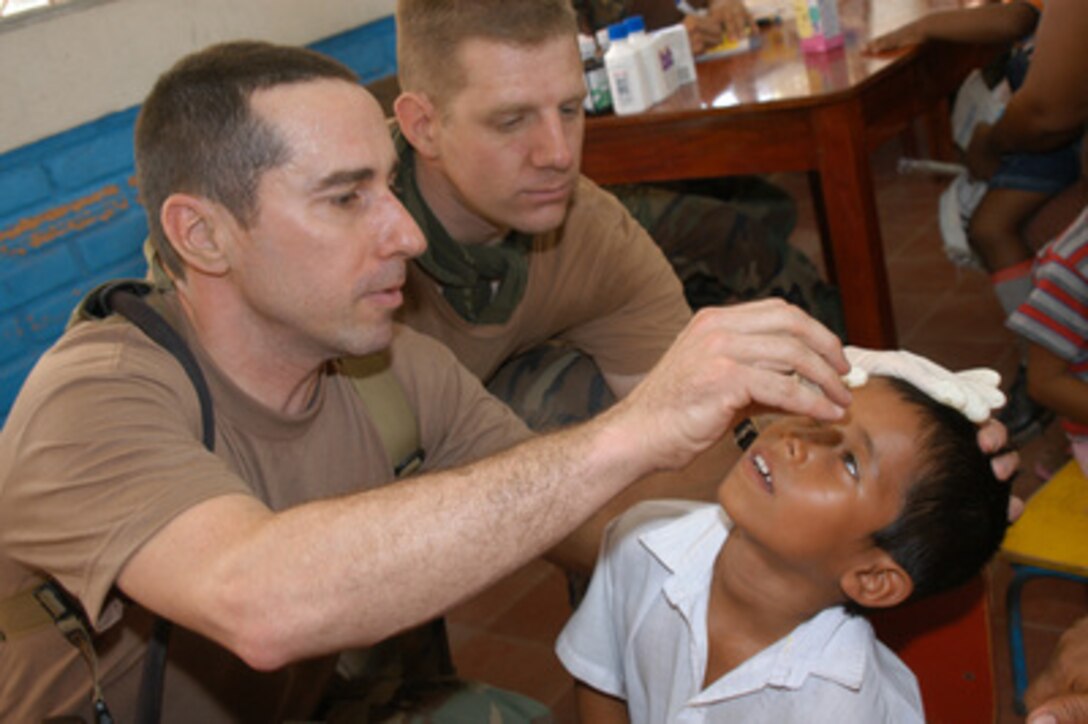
1055	315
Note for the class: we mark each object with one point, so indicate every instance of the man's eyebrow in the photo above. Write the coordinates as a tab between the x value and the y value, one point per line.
344	178
510	109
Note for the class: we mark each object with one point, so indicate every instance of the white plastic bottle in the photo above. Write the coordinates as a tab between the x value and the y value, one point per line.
674	52
625	81
647	56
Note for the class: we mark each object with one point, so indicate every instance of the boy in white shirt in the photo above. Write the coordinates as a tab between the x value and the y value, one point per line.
745	611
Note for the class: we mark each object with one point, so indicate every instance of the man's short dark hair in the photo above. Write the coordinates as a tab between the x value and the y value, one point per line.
196	132
956	510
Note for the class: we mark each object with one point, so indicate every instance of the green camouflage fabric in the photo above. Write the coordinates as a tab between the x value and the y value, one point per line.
728	241
551	385
450	701
410	679
595	14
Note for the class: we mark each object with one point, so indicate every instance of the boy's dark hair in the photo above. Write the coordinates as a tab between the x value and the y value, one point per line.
956	510
196	132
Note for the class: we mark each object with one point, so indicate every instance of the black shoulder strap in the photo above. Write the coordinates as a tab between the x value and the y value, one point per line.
125	297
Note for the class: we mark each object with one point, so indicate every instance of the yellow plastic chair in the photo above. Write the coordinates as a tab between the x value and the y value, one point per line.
1050	538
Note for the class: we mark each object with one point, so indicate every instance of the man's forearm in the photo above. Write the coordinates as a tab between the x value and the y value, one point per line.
275	588
699	480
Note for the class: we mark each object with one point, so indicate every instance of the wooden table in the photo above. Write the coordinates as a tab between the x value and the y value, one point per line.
779	109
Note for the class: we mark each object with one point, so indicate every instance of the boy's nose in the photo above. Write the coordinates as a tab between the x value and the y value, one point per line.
802	439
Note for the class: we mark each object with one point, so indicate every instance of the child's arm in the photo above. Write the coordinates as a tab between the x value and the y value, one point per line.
1051	384
1051	107
599	708
986	24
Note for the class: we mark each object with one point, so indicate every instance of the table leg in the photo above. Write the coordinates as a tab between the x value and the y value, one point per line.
820	214
846	182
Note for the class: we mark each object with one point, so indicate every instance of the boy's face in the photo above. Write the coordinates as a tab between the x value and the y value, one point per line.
510	140
813	493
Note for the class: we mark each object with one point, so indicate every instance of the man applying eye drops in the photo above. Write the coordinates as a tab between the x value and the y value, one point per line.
748	610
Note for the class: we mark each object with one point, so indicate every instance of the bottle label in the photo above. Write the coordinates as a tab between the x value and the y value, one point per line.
599	97
622	80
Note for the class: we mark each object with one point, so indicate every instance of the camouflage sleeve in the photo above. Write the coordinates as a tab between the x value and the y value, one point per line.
596	14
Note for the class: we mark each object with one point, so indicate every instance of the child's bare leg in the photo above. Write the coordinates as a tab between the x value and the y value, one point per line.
996	228
996	234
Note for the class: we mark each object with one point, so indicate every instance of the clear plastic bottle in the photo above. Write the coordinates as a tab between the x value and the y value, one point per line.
598	96
625	81
647	56
817	24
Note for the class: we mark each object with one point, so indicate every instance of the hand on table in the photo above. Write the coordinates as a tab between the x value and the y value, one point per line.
703	33
723	19
732	17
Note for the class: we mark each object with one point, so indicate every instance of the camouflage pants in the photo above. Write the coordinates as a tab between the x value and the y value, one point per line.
410	679
728	241
551	385
447	702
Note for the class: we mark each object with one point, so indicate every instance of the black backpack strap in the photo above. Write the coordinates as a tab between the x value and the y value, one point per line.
125	297
122	298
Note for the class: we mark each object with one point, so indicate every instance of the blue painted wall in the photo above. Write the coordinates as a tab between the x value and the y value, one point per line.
69	217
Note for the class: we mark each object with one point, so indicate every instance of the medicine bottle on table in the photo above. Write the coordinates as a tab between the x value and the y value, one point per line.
598	96
625	80
647	56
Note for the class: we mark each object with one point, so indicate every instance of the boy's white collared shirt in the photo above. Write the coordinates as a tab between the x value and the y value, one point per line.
640	635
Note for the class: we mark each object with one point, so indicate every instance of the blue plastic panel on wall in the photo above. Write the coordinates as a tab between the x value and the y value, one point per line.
70	218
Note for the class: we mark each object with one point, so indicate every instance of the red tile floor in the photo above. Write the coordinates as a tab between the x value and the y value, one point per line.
505	634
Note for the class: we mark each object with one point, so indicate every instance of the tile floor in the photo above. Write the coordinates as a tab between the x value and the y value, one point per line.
505	634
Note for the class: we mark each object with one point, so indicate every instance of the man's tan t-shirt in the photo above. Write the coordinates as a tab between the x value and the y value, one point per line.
102	449
598	282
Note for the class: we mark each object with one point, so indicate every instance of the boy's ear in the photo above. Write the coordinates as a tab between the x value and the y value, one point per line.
879	582
417	118
196	227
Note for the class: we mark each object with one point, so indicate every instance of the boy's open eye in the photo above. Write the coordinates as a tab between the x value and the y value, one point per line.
851	464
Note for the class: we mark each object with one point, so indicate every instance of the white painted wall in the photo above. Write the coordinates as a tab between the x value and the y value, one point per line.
74	66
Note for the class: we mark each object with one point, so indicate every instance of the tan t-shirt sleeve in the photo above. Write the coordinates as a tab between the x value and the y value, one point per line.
637	298
103	449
